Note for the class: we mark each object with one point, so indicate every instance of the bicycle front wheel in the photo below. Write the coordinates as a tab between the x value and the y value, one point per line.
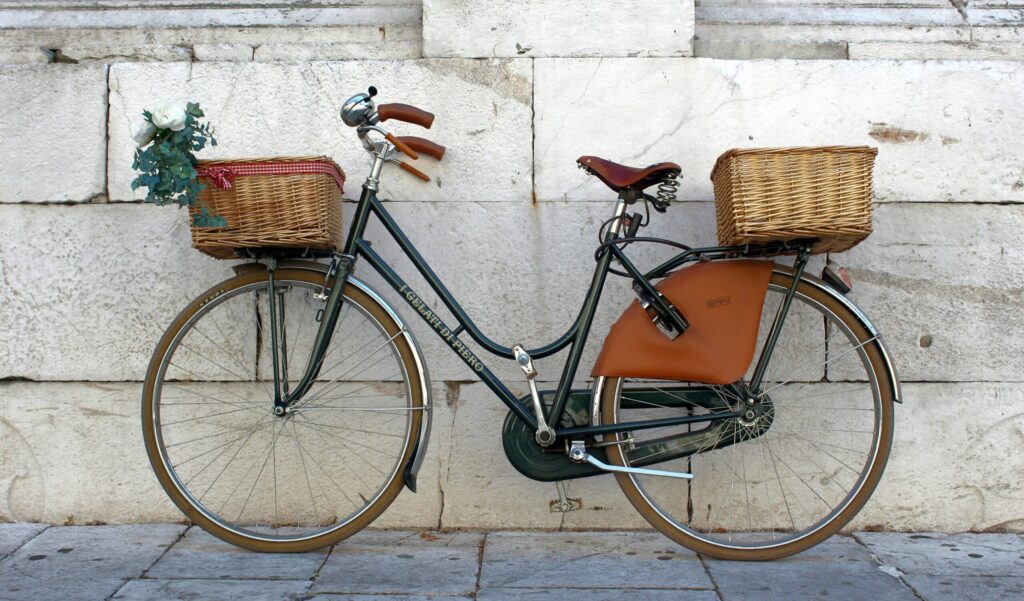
313	476
799	464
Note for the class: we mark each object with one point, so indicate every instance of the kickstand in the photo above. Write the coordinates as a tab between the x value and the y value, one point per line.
563	504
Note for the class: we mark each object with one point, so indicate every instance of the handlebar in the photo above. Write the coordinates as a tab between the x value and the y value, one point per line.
422	145
405	112
360	112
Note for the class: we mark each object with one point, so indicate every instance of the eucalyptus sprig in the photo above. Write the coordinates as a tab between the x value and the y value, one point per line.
166	160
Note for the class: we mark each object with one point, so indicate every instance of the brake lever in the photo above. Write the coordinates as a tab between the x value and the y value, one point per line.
409	168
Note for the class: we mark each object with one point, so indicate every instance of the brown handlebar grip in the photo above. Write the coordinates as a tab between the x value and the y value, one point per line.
401	146
424	146
405	112
414	171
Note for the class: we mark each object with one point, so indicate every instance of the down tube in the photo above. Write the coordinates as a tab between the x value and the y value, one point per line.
447	334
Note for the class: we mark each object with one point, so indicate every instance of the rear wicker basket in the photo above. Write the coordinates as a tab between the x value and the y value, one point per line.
280	202
772	194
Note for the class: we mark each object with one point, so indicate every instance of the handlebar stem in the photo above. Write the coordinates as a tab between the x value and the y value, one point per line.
381	152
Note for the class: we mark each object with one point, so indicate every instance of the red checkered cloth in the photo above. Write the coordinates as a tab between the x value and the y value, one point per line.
221	176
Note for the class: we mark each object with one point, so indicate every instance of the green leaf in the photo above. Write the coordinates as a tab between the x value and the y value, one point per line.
166	168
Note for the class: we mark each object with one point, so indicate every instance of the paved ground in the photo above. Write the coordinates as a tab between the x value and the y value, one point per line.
164	562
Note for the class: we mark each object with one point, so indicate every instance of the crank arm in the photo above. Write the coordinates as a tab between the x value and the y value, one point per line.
579	453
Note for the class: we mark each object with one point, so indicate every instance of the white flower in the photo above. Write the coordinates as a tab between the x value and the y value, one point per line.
169	115
145	134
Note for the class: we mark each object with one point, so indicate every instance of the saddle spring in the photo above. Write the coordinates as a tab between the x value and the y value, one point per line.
667	189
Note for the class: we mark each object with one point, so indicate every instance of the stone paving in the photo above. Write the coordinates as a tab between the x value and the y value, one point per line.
163	562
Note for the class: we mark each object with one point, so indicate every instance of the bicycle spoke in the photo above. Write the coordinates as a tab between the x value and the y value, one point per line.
383	345
305	472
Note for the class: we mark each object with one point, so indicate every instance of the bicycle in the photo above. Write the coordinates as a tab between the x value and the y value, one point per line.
285	408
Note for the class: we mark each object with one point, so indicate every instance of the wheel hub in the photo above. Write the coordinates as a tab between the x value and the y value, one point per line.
757	414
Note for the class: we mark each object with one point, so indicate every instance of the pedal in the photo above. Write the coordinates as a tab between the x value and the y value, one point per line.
578	453
563	504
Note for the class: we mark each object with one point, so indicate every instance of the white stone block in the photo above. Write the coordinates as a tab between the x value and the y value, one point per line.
223	52
936	50
807	14
382	50
122	54
945	438
941	283
99	471
122	272
89	289
86	337
74	452
52	122
371	35
521	272
207	16
755	49
483	111
997	25
946	130
829	22
830	32
830	4
466	28
483	490
1007	17
19	55
951	467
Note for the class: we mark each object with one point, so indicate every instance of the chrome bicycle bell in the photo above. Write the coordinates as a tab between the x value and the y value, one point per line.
359	110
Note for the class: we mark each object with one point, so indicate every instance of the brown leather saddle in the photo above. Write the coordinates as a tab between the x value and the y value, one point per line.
619	177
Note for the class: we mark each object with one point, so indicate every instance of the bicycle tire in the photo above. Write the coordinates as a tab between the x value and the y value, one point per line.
298	531
701	534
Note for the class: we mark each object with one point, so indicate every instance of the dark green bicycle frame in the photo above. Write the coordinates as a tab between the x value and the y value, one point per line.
356	247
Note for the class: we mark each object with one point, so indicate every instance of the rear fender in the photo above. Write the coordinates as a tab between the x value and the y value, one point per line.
722	300
820	284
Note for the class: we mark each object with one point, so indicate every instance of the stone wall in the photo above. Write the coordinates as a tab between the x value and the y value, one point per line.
90	276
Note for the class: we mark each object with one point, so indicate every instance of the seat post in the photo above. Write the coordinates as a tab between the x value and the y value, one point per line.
620	210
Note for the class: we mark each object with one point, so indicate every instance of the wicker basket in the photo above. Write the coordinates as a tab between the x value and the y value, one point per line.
280	202
772	194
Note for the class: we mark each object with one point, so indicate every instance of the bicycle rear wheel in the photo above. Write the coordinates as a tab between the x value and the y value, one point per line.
780	479
304	480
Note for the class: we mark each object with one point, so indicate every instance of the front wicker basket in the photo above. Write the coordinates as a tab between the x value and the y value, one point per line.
270	210
773	194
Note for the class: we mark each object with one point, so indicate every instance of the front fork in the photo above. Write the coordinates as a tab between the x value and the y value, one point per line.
341	268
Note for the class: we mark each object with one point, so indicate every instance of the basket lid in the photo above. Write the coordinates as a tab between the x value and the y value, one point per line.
221	172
